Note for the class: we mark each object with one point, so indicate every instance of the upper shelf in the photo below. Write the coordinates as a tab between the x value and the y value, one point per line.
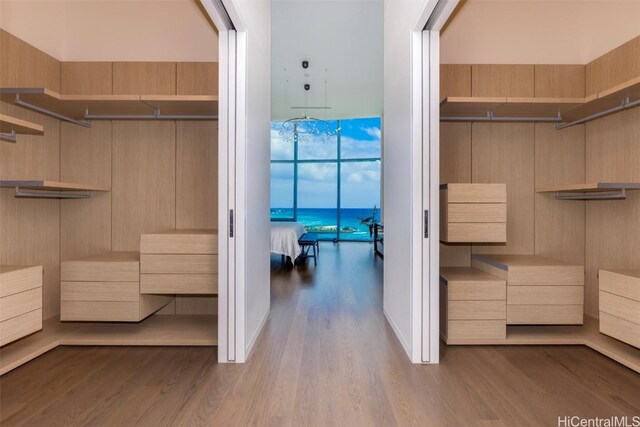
80	108
42	189
564	111
591	191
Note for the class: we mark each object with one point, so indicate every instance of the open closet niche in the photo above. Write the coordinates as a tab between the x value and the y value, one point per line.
108	214
563	141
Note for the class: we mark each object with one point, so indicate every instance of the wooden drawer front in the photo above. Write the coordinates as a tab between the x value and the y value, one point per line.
20	303
19	279
477	310
205	284
99	271
620	329
100	311
546	276
620	284
476	193
476	330
621	307
463	232
545	295
477	212
20	326
179	264
179	243
477	291
100	291
544	314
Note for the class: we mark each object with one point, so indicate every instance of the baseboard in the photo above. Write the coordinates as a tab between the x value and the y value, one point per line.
403	341
249	347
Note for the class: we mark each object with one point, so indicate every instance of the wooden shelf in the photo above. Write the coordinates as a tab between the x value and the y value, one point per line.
158	330
20	127
589	188
564	111
50	185
586	334
79	108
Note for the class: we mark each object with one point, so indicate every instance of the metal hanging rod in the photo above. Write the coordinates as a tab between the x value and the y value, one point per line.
48	194
50	113
9	137
626	104
490	117
616	195
157	115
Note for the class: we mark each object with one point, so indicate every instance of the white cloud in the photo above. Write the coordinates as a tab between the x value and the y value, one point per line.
374	132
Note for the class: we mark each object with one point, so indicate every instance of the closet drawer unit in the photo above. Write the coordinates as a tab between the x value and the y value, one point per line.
20	301
473	213
106	288
19	278
472	305
106	267
179	264
540	291
203	242
194	284
619	300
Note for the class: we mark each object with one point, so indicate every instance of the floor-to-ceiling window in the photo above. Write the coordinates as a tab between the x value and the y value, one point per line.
328	182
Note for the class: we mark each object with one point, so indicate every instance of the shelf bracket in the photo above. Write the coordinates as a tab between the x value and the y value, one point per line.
9	137
48	194
608	195
49	113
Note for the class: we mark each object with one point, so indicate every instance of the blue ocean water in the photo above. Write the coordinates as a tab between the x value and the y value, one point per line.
324	221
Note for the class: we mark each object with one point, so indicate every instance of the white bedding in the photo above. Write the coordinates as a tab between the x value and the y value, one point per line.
284	238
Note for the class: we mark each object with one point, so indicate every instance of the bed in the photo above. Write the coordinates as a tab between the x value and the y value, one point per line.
284	238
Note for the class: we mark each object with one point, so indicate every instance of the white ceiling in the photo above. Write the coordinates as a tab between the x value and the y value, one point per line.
343	42
538	31
112	30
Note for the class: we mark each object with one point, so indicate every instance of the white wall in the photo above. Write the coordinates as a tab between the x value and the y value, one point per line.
109	30
400	17
256	18
538	32
343	42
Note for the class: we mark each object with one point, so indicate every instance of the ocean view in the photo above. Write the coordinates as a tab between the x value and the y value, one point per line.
324	221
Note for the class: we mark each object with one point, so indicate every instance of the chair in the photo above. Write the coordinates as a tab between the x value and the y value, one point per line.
307	242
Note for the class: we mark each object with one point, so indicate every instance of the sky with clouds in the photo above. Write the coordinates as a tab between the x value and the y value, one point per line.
317	182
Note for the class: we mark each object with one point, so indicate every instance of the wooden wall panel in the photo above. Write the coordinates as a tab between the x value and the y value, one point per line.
559	225
87	78
144	78
85	225
51	66
613	227
197	174
455	80
24	69
502	80
455	166
613	68
143	181
196	305
197	78
560	81
504	153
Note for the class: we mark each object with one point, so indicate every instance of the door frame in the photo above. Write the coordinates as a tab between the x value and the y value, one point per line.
425	214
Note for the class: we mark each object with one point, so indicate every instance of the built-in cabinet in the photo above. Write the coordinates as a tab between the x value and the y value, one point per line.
93	156
563	139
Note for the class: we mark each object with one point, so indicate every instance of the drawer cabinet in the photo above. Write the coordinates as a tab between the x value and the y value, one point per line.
472	306
473	213
105	288
620	305
20	301
540	291
180	262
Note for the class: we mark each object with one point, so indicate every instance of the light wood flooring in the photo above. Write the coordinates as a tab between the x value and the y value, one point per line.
326	357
